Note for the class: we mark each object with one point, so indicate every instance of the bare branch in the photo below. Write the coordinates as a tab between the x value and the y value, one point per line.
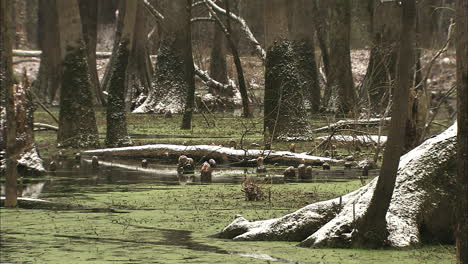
245	28
153	10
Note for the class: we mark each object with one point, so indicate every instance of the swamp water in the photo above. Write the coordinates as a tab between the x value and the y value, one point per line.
121	213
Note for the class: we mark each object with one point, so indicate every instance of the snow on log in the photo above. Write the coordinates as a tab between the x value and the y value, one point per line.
37	53
421	196
220	154
351	123
364	140
42	126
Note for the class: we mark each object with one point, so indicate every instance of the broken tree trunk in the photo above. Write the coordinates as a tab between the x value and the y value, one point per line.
29	160
27	156
419	206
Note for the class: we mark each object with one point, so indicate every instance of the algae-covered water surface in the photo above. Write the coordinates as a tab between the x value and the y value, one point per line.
115	215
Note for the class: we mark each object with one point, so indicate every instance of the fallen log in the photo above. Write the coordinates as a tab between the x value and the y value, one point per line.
42	126
220	154
421	198
351	123
363	140
37	53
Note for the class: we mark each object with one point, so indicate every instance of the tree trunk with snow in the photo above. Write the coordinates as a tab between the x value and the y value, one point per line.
6	76
117	134
371	228
419	206
173	78
77	126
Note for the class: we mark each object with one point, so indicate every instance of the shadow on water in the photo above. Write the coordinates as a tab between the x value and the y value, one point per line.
179	238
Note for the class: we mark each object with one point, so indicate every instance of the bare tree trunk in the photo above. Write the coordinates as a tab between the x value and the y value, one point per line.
240	72
77	127
320	27
6	74
372	227
117	135
139	70
340	75
462	138
50	69
218	67
381	69
89	20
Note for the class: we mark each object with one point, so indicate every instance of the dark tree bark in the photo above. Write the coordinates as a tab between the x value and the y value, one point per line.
173	86
287	79
117	135
139	70
381	69
6	75
462	137
77	127
50	69
218	66
300	32
106	11
320	27
340	75
89	21
372	227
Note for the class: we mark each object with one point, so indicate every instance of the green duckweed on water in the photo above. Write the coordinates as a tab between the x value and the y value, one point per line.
109	216
170	223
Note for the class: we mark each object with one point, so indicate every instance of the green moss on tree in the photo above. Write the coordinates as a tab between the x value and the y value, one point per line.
117	134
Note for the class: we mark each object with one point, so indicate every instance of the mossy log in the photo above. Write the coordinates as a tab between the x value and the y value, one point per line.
420	207
220	154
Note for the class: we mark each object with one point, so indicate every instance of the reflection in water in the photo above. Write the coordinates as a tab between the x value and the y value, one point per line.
73	177
31	190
